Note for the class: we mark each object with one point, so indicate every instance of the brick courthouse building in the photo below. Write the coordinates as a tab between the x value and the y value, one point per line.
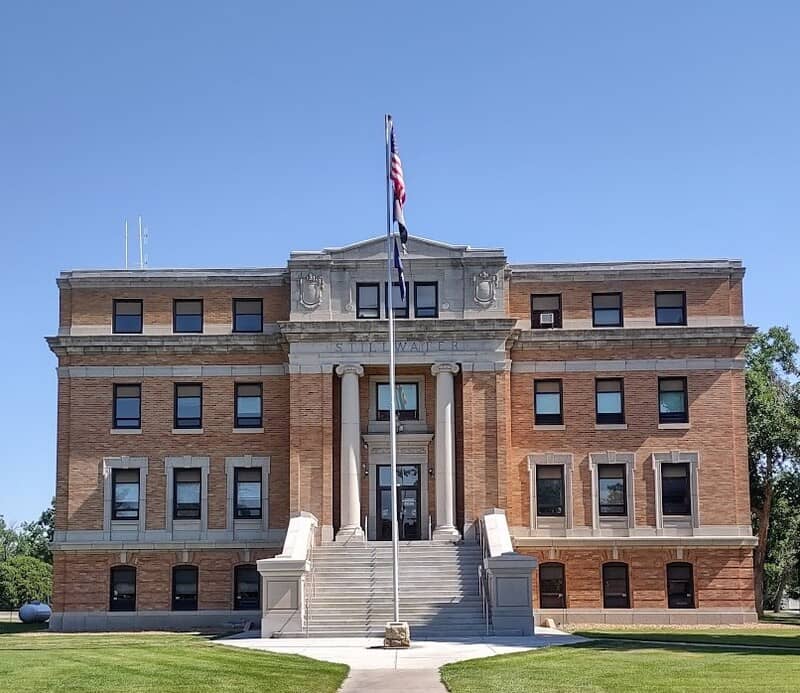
600	405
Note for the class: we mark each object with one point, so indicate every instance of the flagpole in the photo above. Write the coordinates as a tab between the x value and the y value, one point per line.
392	407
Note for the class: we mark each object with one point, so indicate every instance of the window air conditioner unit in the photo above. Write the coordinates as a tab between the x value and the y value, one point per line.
547	318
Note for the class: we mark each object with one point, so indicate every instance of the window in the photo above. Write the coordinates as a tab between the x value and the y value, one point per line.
248	315
399	306
127	406
672	400
247	588
607	310
611	489
186	503
547	402
127	316
367	301
248	405
187	315
609	401
552	586
426	300
247	493
545	311
676	496
615	586
670	307
550	490
124	494
188	405
184	588
406	401
123	588
680	586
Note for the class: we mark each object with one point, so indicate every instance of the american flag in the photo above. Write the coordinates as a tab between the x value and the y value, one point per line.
398	186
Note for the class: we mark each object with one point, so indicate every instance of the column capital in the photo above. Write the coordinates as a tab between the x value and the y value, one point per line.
347	368
437	368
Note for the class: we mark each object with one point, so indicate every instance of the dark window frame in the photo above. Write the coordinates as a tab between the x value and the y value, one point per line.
397	315
557	321
401	414
674	417
621	321
118	301
116	604
190	605
688	493
114	472
115	420
609	417
549	419
683	308
247	421
236	513
365	285
539	512
176	421
435	308
672	602
175	302
240	604
626	595
235	314
608	513
175	483
560	600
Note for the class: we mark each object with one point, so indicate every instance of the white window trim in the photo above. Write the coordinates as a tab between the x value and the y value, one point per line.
677	457
613	457
375	426
124	462
246	461
563	459
170	464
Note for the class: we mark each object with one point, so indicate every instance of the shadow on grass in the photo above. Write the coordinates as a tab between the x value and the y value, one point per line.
617	644
18	628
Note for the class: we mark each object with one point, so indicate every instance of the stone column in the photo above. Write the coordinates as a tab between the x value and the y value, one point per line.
445	453
350	462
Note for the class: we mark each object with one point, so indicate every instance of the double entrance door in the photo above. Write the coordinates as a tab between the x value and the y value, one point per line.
408	502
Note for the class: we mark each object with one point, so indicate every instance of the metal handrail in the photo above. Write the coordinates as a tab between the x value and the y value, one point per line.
309	586
483	576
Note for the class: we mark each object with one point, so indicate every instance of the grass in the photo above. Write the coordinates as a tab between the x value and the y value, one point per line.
128	663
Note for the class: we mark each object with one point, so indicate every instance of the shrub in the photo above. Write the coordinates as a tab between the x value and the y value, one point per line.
23	579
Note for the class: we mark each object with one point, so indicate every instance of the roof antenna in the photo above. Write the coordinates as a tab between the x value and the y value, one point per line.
146	239
141	245
126	244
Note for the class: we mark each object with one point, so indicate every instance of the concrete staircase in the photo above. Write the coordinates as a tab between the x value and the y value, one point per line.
352	589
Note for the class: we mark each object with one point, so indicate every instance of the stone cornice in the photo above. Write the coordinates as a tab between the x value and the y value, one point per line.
612	271
103	279
166	344
639	542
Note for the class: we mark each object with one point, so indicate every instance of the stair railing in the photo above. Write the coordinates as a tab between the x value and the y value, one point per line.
483	576
309	585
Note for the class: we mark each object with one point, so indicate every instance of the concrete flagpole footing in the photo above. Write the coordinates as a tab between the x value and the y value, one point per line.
396	635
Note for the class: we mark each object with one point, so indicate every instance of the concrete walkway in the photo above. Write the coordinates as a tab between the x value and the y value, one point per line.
415	669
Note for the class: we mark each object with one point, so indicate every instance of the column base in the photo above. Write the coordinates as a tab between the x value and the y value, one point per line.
446	534
346	534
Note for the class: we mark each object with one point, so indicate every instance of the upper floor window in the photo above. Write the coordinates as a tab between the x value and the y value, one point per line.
670	307
611	489
672	400
127	316
188	405
248	405
550	490
607	310
247	588
545	310
123	588
426	300
406	401
680	586
187	493
615	586
248	315
676	495
547	402
552	586
609	401
399	304
247	493
368	301
187	315
127	406
124	494
184	588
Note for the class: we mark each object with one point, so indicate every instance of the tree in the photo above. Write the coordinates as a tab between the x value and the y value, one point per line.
783	541
23	579
35	537
773	413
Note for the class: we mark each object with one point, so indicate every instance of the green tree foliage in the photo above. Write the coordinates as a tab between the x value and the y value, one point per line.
23	579
782	566
773	413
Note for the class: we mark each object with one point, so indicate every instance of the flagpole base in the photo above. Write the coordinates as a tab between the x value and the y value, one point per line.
396	635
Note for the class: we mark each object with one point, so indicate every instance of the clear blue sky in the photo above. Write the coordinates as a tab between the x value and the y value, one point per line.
561	131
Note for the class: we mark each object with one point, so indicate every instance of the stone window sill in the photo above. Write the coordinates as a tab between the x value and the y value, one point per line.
549	427
674	426
187	431
248	430
611	427
126	431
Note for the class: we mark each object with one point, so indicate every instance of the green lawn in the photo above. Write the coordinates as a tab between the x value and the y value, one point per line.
125	663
